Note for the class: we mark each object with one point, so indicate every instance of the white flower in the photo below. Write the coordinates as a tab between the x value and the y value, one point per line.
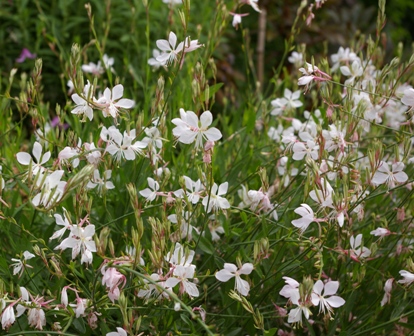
356	250
111	101
97	69
26	159
391	178
82	103
181	276
408	97
153	61
193	190
230	271
308	74
289	101
310	150
324	195
80	240
296	58
307	217
102	183
153	290
380	232
94	155
292	286
8	317
150	193
387	292
237	19
190	128
180	257
214	200
19	265
119	331
122	146
344	56
323	295
355	71
408	278
52	189
169	49
295	315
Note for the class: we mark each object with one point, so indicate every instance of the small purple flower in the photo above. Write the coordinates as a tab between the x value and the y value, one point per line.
25	54
55	122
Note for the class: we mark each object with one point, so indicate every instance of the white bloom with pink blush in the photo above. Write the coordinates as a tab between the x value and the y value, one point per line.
357	250
189	128
181	276
8	317
323	295
150	193
113	280
390	177
387	292
230	271
310	150
52	189
83	107
408	278
408	97
110	103
381	232
307	217
80	241
215	201
26	159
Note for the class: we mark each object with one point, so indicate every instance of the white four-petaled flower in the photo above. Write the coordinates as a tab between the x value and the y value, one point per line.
230	271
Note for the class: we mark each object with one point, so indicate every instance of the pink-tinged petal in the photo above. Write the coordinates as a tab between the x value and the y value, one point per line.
147	193
163	58
107	95
383	167
206	119
172	282
315	298
77	99
117	92
179	47
246	268
223	188
25	294
291	282
191	289
230	267
45	158
90	245
24	158
331	288
408	98
89	230
242	286
335	301
163	45
379	178
304	210
401	177
186	136
305	80
213	134
318	287
172	39
345	71
301	223
55	177
223	203
36	200
398	166
37	151
358	240
129	154
125	103
192	119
